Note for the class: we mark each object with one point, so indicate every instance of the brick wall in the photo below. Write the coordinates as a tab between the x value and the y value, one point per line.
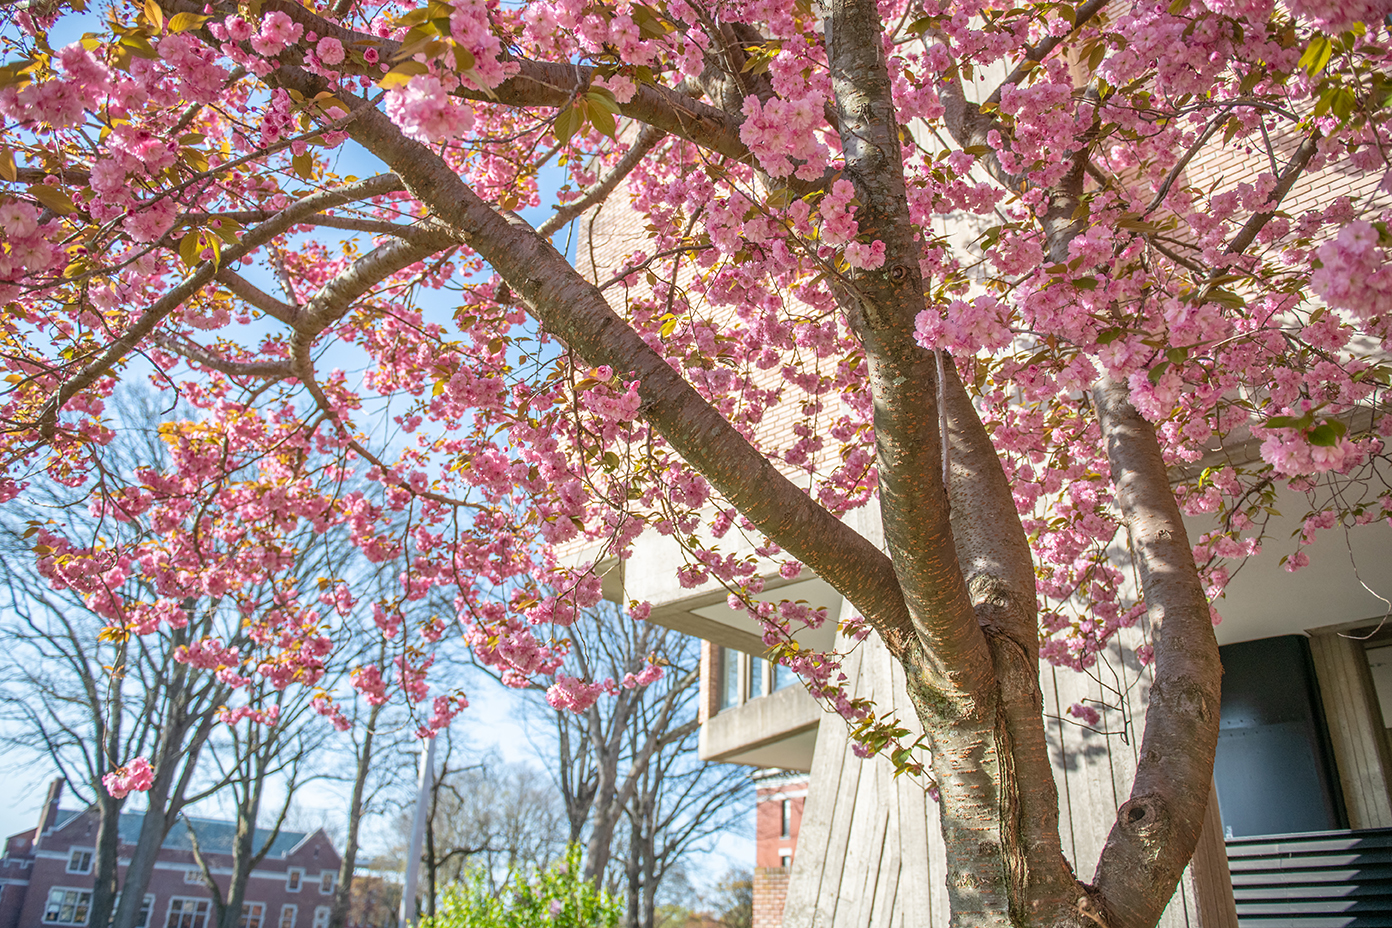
770	892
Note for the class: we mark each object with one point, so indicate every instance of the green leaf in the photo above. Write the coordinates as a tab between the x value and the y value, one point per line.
400	75
55	199
1326	435
603	120
183	22
189	247
568	122
1316	54
1158	371
303	165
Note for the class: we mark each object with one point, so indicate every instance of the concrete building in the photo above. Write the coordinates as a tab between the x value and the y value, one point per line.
46	873
1304	738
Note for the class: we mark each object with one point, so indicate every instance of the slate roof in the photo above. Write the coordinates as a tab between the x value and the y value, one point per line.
214	837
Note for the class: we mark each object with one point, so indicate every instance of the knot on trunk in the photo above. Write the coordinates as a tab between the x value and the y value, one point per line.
1143	817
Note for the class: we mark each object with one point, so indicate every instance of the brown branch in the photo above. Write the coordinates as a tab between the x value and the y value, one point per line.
551	84
1157	828
1037	53
249	293
882	305
572	309
1248	233
647	138
192	351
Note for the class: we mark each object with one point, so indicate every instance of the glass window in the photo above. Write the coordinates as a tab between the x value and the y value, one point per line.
80	862
729	678
782	677
787	817
292	879
67	906
756	677
193	876
326	882
253	914
187	913
287	916
321	916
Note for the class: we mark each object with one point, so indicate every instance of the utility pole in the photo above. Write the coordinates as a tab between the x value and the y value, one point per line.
407	915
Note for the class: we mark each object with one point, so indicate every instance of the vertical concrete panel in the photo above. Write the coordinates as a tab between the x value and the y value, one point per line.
1356	728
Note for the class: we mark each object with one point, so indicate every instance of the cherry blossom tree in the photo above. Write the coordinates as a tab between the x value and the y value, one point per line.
1161	277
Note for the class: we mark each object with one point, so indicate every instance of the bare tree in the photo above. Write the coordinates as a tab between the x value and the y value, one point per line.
630	759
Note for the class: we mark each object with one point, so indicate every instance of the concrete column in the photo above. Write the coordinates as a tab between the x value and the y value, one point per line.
1208	872
1356	728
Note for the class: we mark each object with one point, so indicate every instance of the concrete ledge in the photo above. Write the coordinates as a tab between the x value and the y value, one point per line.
752	733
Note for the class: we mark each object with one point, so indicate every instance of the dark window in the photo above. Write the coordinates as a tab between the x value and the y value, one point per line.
787	817
187	913
80	862
253	915
1273	770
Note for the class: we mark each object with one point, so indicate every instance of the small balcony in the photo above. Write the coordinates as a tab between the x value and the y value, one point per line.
755	712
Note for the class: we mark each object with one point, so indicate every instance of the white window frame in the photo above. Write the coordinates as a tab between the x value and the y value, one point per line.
321	916
194	876
327	879
253	915
288	909
295	876
88	853
77	904
179	900
147	907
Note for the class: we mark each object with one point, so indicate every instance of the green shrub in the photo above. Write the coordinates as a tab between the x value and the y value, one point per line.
557	897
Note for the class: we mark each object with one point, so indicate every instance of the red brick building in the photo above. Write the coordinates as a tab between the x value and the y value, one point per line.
46	874
778	813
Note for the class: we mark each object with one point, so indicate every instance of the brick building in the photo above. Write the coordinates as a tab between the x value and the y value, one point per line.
46	874
780	795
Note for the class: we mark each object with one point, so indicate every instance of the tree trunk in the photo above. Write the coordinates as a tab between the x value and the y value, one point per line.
343	891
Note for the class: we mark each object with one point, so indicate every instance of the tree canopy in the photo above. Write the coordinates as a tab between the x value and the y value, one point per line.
1020	274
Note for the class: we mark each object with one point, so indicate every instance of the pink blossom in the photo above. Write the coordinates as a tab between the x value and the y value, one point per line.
425	111
135	777
330	50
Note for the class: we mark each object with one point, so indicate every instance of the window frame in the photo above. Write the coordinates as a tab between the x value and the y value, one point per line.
147	908
297	873
331	876
89	854
322	914
77	904
201	907
260	915
293	911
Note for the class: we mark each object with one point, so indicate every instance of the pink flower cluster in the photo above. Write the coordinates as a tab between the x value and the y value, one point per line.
135	777
426	112
268	716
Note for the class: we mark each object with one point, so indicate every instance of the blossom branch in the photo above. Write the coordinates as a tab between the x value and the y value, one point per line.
145	323
647	138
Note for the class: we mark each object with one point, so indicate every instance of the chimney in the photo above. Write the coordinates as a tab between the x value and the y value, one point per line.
50	811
